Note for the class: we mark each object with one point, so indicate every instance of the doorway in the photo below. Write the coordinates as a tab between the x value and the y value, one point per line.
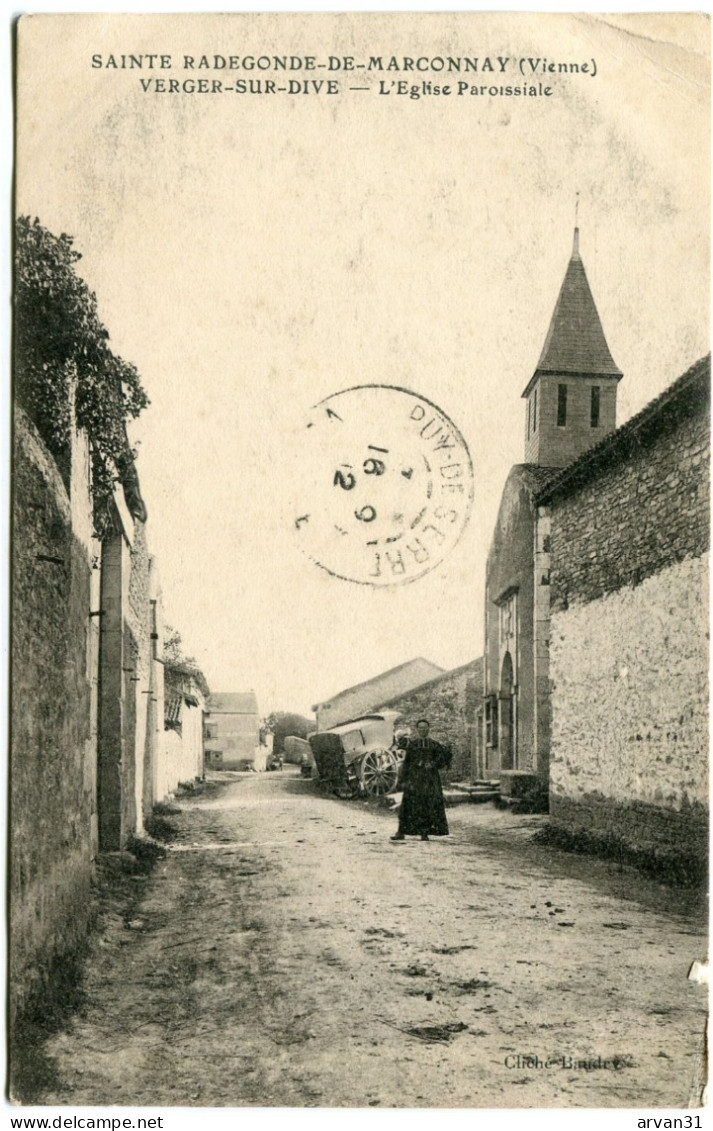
507	715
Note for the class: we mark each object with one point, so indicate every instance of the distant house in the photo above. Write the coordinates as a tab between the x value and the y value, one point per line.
367	696
232	730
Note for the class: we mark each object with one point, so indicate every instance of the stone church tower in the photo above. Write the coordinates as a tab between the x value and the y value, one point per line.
571	397
571	407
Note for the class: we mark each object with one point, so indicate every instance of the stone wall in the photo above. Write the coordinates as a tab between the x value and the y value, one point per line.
449	702
630	698
53	703
541	644
131	690
510	578
155	746
116	769
636	516
85	699
139	658
629	647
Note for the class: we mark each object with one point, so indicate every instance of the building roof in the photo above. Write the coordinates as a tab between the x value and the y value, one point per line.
184	677
377	679
472	664
534	476
691	391
172	711
233	703
575	341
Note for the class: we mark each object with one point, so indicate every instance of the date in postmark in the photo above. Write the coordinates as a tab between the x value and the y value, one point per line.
385	485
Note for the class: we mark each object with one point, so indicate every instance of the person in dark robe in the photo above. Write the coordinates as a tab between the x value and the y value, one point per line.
423	812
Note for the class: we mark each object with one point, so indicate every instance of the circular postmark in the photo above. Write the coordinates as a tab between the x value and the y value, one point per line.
385	485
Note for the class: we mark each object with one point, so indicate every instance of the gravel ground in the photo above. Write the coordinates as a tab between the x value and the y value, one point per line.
284	952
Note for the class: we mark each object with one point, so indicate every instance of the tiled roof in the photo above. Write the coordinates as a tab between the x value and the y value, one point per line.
172	711
691	389
233	703
535	476
575	341
183	677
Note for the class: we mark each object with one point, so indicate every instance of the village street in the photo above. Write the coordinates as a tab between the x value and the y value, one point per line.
284	952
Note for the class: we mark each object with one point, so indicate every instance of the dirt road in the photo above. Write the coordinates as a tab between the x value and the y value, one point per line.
284	952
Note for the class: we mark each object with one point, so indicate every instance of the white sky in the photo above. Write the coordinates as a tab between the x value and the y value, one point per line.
254	255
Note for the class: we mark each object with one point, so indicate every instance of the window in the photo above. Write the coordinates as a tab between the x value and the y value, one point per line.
211	730
508	618
352	740
594	407
491	721
534	411
561	406
529	413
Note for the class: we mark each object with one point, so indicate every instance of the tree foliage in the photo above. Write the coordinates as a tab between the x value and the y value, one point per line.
59	338
174	657
173	647
284	723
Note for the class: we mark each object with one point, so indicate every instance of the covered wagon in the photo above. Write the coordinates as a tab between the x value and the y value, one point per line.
360	756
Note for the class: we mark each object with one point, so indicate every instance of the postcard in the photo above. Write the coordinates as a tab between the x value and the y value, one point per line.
359	752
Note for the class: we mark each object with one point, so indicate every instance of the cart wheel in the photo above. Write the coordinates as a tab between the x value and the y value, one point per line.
379	772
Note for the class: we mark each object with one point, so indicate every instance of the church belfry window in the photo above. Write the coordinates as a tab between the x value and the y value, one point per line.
561	406
594	407
534	410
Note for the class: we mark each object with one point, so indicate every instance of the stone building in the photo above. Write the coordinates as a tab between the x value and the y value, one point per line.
367	696
86	712
629	587
232	730
54	833
86	746
596	599
129	731
450	702
571	406
88	749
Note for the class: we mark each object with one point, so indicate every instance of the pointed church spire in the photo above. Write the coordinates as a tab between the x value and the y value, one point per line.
572	394
575	342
